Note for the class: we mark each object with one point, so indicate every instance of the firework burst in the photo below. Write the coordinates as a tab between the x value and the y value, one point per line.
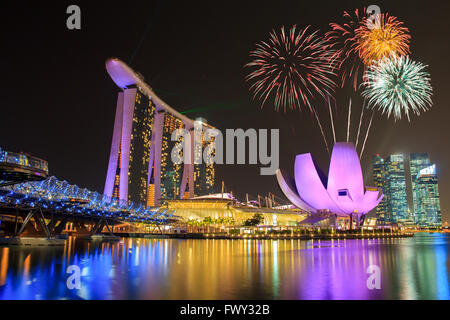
342	38
398	85
381	37
292	67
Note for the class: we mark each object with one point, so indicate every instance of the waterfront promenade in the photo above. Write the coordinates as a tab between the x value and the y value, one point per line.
293	236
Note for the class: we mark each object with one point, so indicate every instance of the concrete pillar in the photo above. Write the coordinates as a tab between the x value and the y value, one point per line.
186	169
158	131
115	147
129	100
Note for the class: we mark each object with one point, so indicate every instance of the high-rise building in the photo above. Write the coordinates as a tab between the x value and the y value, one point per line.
425	191
389	174
379	177
426	198
204	173
171	173
417	162
397	203
140	167
129	160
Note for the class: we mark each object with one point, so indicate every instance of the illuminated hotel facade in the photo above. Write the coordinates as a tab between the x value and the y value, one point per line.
140	168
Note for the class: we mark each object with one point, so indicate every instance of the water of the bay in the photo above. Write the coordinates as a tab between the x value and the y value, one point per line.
412	268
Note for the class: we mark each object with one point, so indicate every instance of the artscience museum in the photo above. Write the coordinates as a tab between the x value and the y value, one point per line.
340	194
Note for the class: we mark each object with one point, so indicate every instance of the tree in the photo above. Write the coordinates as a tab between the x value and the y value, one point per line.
257	219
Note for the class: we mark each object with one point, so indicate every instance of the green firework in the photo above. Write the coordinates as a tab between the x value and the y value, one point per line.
397	86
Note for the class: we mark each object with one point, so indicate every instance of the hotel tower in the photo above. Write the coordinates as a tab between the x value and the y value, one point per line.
140	168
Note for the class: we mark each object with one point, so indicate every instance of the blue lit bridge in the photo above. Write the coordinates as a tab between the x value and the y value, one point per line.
60	202
21	167
52	203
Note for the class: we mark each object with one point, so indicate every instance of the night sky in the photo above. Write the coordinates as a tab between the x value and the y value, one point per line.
58	101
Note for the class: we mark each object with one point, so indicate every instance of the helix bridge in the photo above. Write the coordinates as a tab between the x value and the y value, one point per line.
61	198
28	192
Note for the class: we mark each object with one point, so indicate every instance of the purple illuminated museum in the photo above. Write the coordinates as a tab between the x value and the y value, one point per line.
342	193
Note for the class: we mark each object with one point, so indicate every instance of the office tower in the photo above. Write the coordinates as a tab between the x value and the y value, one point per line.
379	176
389	174
140	168
397	203
425	192
417	162
426	198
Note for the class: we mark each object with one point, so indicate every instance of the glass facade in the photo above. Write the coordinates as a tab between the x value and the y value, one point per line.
389	174
379	174
417	162
140	167
141	136
426	198
397	202
171	173
425	191
204	173
140	188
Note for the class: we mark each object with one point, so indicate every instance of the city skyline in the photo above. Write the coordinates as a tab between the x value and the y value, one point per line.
218	158
410	185
195	84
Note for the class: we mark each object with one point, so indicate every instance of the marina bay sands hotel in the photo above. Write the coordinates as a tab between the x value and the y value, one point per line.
140	168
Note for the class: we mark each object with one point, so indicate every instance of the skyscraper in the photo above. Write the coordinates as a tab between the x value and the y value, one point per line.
140	168
204	173
171	173
426	198
379	177
417	162
389	174
129	160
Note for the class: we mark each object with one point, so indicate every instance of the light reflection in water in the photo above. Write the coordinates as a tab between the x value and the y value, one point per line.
275	269
415	268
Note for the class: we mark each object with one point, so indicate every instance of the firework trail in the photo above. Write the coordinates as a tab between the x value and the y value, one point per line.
349	117
342	38
321	130
360	122
293	68
367	135
380	37
332	120
398	85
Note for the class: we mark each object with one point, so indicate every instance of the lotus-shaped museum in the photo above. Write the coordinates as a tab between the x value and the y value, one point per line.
342	193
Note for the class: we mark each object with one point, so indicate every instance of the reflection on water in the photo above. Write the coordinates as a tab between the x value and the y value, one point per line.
417	268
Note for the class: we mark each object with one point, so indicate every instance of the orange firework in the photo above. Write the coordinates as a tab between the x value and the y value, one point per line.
382	36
